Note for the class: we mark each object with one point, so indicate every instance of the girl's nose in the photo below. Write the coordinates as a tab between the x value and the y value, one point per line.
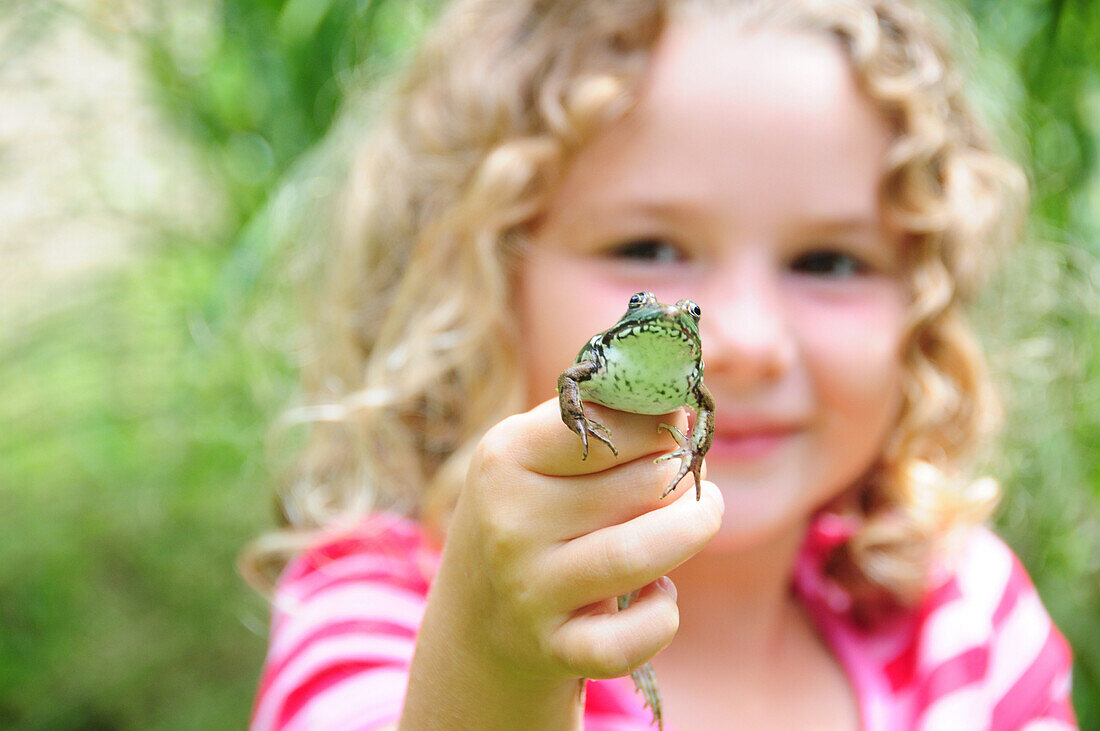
747	339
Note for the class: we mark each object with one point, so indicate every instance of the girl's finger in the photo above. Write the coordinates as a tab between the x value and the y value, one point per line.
561	507
548	447
589	502
599	642
620	558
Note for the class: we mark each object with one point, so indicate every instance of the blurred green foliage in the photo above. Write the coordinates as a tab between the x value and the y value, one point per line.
1045	309
136	408
259	86
133	452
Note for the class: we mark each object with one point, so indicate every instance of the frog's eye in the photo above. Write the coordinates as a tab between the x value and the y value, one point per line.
692	309
639	299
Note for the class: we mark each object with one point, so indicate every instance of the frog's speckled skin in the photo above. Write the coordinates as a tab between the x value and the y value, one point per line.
649	362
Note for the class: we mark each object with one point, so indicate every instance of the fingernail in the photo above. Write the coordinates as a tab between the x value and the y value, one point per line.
666	583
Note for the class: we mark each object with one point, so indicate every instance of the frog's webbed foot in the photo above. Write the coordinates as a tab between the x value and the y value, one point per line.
572	412
691	460
585	425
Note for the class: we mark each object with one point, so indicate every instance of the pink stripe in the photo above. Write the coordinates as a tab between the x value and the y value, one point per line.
386	586
377	651
384	564
365	701
395	579
960	671
381	535
943	594
902	669
347	627
318	684
1060	709
1018	585
1031	694
615	697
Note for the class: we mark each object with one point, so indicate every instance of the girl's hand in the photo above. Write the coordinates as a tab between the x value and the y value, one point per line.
540	545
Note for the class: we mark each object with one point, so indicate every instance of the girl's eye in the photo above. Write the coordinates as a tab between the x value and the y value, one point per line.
829	263
656	251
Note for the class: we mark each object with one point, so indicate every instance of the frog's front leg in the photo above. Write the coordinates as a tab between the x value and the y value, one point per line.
691	452
572	412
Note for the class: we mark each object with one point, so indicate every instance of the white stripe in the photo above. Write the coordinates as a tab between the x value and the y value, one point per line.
1019	642
362	601
292	595
965	708
1063	685
1047	724
966	622
325	653
984	566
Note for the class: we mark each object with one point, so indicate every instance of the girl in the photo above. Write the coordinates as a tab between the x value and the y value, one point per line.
809	174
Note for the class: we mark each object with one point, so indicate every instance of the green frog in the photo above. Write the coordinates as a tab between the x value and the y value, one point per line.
649	362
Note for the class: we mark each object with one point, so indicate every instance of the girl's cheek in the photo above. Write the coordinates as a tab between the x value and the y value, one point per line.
560	302
851	341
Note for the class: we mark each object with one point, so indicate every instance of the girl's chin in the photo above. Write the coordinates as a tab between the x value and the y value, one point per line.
756	515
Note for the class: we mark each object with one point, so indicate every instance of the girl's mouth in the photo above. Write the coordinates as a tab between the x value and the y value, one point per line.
750	444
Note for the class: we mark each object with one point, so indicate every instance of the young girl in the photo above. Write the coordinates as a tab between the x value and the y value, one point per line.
808	173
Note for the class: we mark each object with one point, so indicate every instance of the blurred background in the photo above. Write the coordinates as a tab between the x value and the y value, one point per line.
153	157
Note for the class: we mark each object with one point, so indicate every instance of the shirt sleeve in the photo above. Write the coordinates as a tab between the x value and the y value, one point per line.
990	652
344	626
1038	660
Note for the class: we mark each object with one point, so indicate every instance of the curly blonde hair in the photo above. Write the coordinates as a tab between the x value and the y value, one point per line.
416	347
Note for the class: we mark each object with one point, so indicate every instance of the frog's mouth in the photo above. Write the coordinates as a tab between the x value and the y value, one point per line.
663	328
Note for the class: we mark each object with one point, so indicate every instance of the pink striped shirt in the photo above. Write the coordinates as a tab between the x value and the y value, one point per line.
979	653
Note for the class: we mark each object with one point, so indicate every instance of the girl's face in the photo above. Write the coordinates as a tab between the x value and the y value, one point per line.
746	179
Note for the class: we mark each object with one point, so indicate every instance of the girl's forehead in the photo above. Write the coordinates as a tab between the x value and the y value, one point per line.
773	72
764	120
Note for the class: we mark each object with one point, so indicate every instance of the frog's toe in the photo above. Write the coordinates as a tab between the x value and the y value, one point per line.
679	436
689	462
685	467
584	442
599	431
606	441
679	453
